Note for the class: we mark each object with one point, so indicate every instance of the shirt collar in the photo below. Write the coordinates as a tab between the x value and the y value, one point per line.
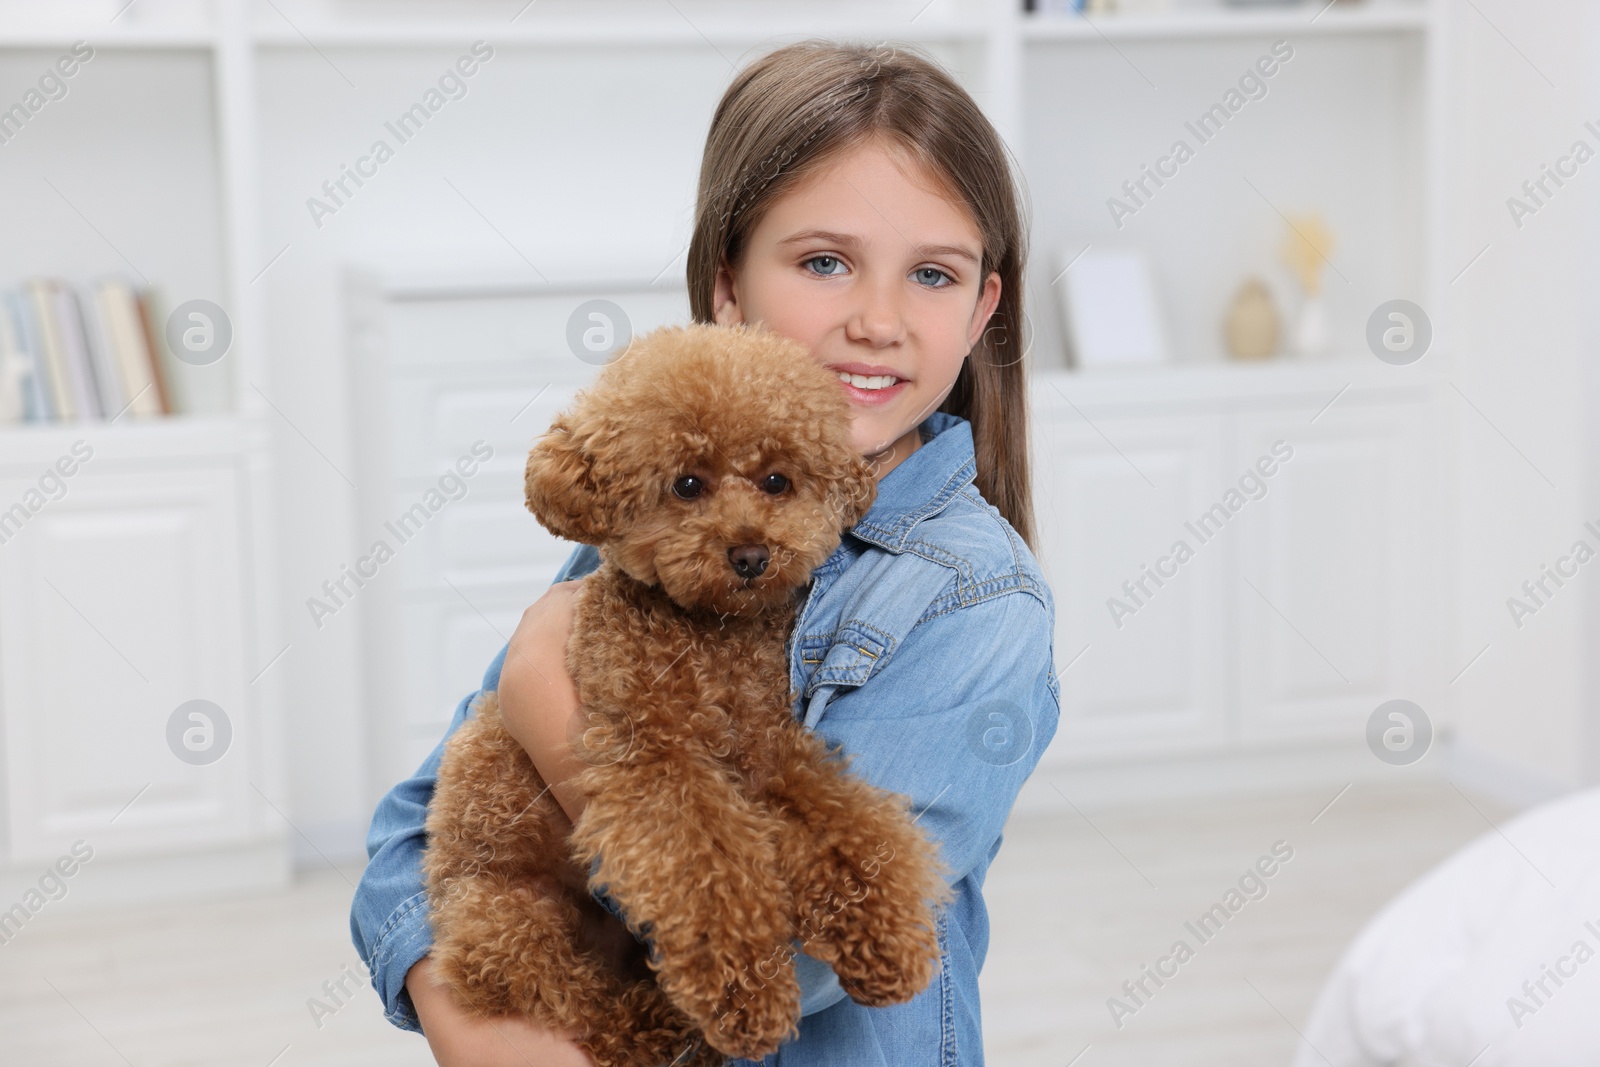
922	484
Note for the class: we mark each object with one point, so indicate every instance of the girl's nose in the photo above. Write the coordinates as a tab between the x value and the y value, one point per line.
878	320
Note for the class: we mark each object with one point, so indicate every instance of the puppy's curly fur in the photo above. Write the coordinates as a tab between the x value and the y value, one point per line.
726	831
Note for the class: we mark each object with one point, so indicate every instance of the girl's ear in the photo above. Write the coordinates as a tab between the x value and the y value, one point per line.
561	488
724	301
988	300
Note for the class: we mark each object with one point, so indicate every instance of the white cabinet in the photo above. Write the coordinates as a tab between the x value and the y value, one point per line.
119	602
1334	577
1109	506
1238	564
123	595
149	581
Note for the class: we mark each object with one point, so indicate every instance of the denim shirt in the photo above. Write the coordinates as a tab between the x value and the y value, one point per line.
924	649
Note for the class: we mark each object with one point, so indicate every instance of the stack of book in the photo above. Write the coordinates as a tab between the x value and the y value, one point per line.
75	352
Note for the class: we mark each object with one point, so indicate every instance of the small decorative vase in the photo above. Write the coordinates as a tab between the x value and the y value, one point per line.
1311	329
1251	326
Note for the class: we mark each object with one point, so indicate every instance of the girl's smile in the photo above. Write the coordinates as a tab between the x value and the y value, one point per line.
872	383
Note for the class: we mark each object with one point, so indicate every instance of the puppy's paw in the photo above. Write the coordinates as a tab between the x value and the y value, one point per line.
878	931
752	1023
885	959
745	1004
884	938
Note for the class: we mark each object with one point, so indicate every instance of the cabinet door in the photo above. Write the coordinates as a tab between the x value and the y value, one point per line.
1334	577
119	602
1141	671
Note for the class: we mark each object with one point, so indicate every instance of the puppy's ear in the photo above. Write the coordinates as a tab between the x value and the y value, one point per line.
855	490
562	491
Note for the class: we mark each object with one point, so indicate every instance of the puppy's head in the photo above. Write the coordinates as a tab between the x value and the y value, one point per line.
714	461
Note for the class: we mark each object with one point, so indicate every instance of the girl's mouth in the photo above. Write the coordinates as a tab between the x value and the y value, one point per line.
871	389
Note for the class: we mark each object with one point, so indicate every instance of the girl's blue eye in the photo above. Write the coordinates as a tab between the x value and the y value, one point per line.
824	259
923	272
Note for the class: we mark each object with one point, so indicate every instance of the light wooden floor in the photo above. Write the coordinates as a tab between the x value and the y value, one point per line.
1078	905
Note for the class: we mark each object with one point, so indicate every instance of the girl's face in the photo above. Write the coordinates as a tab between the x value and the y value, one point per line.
871	266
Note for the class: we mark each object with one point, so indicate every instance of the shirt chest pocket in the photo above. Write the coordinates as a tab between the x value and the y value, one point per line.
845	658
894	596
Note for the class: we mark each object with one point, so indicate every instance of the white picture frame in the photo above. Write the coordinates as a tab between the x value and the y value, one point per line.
1110	313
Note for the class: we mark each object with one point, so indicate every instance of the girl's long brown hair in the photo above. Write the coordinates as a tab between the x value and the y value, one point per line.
800	106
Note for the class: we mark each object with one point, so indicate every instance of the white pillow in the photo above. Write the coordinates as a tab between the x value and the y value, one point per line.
1437	976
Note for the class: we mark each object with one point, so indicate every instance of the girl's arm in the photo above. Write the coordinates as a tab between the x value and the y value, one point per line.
955	719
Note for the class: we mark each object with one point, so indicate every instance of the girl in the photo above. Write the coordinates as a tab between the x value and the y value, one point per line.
855	199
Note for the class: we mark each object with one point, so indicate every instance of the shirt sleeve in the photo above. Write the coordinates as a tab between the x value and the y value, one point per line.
389	915
956	720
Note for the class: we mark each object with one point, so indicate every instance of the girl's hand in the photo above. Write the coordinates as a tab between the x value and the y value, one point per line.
460	1038
538	701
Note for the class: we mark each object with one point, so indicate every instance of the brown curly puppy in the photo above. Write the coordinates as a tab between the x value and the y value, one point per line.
713	467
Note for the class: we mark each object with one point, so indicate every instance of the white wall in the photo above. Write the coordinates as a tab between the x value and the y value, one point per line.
1517	322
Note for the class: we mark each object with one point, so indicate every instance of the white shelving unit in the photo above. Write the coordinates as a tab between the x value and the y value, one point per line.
1258	666
1082	103
150	582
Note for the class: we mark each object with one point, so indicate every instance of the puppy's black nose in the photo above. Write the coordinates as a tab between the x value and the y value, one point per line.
748	560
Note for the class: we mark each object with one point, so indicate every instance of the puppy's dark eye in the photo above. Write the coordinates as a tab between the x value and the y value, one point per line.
688	487
774	484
